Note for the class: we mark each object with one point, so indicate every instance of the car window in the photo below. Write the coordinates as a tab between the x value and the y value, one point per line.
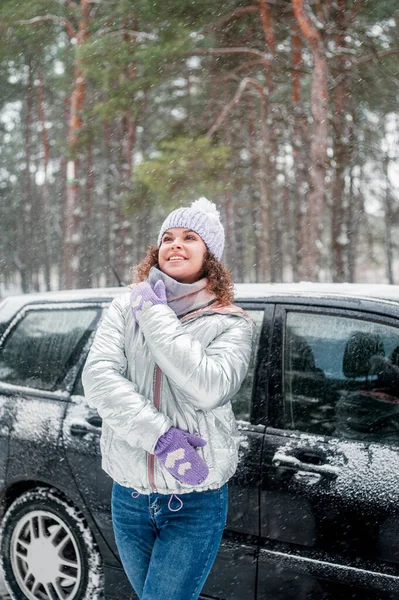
77	389
341	377
242	400
43	345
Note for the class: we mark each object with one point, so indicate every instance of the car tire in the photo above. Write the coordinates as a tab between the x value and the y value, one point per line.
48	552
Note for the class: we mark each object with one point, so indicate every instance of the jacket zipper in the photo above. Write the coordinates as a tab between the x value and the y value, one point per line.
158	381
157	404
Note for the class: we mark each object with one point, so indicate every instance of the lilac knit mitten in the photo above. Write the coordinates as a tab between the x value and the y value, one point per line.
176	451
144	297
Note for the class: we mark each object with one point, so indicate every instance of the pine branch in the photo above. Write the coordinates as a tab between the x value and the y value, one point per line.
354	10
209	104
54	19
377	55
237	96
246	65
240	50
117	32
265	17
310	32
236	14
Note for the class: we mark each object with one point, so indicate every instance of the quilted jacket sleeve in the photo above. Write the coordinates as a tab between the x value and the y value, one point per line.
132	417
210	376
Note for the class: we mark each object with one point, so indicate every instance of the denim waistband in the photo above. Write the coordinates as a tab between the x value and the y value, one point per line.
137	494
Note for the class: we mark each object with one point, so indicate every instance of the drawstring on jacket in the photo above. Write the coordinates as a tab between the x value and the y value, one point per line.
137	494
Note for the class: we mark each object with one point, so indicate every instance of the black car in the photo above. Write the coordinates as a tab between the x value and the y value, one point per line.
314	505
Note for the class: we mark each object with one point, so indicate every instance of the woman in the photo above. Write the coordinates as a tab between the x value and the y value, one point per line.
165	362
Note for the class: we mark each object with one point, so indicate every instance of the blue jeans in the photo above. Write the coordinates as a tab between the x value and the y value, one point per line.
167	553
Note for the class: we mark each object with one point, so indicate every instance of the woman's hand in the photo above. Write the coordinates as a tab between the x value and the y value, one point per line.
144	297
176	451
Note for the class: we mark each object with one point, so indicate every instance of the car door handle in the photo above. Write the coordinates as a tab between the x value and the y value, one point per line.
284	460
90	425
95	420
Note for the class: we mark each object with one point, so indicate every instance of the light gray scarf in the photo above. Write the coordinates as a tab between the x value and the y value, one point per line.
182	297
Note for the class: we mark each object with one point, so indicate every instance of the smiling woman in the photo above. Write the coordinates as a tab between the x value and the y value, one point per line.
182	254
162	370
197	247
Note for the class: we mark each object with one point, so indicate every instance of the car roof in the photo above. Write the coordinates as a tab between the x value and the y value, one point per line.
243	291
371	291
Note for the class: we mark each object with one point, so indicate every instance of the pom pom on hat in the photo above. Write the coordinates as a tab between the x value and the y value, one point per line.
207	206
202	217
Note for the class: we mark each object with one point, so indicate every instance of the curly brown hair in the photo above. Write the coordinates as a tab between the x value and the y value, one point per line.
219	277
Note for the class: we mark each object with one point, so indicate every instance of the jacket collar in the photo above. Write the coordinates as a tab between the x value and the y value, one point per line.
216	307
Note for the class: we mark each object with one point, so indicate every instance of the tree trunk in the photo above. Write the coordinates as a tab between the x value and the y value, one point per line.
339	229
106	208
339	218
352	233
129	228
298	193
364	221
72	240
123	224
268	33
265	16
63	173
239	271
45	213
26	242
229	226
287	240
230	221
354	215
253	185
36	234
318	153
276	210
318	149
388	220
265	205
89	227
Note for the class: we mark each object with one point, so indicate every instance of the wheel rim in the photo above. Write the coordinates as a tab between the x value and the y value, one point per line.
45	557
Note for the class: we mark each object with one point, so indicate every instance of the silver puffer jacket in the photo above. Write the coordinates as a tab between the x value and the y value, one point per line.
170	371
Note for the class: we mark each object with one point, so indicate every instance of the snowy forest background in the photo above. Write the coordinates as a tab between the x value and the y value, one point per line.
113	112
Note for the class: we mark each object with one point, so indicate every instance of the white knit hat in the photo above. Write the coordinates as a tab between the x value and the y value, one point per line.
203	218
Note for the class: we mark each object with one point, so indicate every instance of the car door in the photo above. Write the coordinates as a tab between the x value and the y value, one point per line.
81	435
81	439
4	424
37	353
330	466
233	575
4	436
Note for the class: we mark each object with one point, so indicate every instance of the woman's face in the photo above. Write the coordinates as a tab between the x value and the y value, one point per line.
182	254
